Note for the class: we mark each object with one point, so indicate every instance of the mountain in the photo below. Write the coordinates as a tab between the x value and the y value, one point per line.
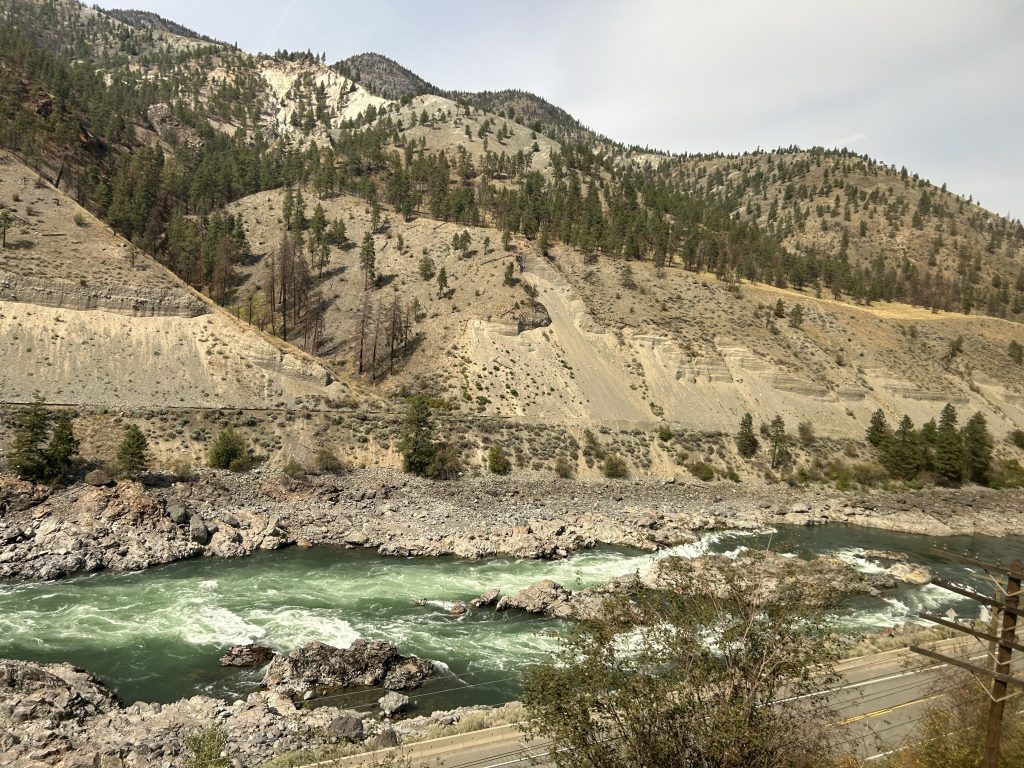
385	77
306	240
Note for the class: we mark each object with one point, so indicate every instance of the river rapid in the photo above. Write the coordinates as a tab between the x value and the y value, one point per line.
156	635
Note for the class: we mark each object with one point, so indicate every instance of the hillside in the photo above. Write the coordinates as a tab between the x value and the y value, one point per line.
869	230
215	229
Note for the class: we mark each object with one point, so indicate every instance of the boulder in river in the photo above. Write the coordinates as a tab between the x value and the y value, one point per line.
546	596
488	598
248	655
317	668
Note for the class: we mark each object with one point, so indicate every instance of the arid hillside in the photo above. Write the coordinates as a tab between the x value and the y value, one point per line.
86	318
194	228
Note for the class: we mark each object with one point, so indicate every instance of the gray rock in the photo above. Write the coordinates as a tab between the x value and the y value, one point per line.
386	739
177	512
248	655
197	531
391	703
321	668
348	726
488	598
98	478
356	538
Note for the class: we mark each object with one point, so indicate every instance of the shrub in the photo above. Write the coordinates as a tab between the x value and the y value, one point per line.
294	469
702	471
79	220
229	451
497	461
446	464
563	468
206	747
805	431
664	433
327	462
1016	437
614	467
1007	473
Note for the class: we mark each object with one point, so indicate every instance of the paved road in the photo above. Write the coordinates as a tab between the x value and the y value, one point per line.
878	704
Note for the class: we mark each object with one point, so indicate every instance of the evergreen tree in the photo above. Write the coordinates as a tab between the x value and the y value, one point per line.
878	429
27	456
416	444
780	309
368	261
746	442
901	455
62	449
780	442
948	461
796	316
5	223
977	449
442	283
133	453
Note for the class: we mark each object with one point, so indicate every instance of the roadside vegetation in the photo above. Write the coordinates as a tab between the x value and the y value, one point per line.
683	676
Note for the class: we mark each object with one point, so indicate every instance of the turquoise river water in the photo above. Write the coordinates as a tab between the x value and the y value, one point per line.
156	635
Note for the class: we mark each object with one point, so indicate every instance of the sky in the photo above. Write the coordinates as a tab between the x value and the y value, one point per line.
933	85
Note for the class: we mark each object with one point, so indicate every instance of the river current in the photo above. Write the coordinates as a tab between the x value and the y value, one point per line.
156	635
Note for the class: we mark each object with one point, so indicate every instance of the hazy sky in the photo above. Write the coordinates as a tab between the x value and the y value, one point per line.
936	85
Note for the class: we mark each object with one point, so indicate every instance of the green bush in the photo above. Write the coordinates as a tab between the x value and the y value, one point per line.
446	463
702	471
664	433
1016	437
497	461
327	462
294	469
614	467
206	749
1007	473
133	453
229	451
563	468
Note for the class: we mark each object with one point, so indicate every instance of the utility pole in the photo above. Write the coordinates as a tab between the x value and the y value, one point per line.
1006	607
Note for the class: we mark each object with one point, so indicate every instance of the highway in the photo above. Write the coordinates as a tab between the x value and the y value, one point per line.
878	702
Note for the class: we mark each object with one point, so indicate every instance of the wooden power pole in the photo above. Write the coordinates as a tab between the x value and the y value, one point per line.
1006	607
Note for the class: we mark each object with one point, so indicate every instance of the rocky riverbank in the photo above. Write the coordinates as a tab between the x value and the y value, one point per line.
59	716
48	534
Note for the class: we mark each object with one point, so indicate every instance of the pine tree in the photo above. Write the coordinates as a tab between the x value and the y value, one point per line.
977	449
133	453
746	441
901	455
796	316
368	261
416	444
780	309
442	283
62	449
878	429
948	461
27	456
5	223
780	442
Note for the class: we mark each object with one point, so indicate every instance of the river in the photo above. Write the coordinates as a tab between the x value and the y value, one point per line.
156	635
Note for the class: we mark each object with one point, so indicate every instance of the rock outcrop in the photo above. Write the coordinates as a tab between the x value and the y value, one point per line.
317	669
248	655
